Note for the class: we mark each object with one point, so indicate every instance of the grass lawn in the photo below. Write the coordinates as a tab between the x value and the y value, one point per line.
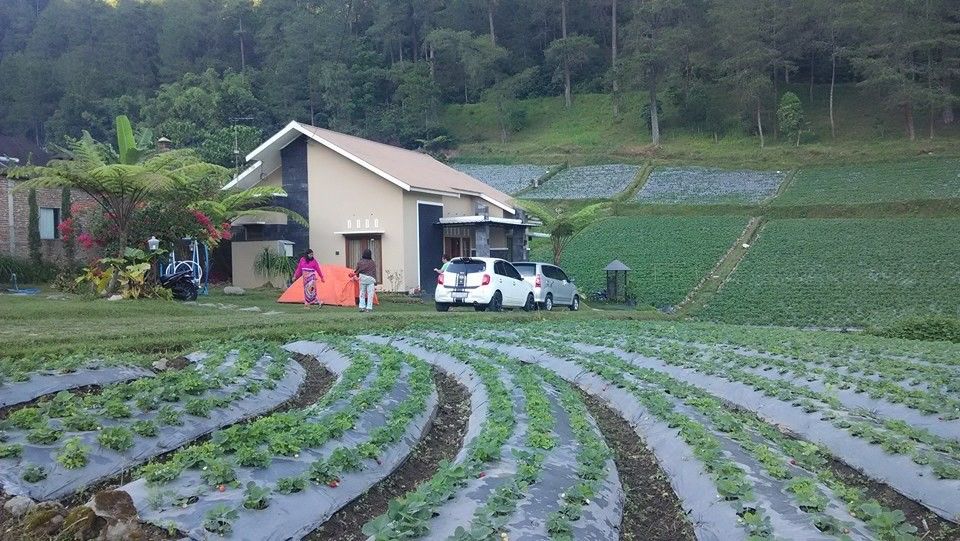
52	324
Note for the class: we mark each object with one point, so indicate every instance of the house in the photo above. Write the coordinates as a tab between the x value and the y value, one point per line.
15	208
405	206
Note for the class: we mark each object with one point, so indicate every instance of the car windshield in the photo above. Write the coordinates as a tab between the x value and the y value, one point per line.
467	266
526	269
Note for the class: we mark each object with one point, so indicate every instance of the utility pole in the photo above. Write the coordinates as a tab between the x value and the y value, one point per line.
236	142
243	56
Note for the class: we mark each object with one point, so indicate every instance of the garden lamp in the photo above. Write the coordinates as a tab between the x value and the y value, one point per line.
153	243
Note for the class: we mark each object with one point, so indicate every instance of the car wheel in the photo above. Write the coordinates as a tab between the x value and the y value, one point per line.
548	302
442	307
496	303
575	305
530	304
480	307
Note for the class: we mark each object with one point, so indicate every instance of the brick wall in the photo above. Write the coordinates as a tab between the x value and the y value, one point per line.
51	250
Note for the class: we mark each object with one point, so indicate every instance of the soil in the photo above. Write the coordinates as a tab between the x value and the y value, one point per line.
318	381
652	510
930	526
442	442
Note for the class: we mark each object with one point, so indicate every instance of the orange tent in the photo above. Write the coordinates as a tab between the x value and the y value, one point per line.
338	288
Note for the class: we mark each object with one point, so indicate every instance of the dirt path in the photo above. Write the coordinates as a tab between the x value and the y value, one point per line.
701	294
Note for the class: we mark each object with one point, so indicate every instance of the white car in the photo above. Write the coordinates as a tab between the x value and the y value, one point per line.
482	282
551	286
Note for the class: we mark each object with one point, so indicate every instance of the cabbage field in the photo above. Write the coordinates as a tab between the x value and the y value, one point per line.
838	272
668	254
701	185
506	178
587	182
874	183
556	429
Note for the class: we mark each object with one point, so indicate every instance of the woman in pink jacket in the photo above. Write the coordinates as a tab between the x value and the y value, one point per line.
310	270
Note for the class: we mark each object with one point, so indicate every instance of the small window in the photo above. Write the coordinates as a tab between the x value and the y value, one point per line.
49	223
466	266
526	269
512	272
558	274
498	268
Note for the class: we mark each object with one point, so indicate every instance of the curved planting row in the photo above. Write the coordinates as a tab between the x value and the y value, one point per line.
281	476
756	469
536	468
69	442
30	386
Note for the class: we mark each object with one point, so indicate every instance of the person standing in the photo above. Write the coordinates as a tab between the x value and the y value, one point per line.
310	270
444	261
366	271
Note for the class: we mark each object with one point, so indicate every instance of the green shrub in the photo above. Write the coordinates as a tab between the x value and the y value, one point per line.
27	272
117	438
930	328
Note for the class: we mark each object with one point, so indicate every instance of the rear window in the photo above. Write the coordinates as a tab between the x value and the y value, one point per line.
526	269
467	266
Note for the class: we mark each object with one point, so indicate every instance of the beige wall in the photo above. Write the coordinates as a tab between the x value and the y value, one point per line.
244	253
347	197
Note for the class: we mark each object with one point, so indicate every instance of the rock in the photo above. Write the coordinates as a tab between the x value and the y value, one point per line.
115	298
234	290
45	518
250	309
19	506
160	365
125	530
113	505
81	522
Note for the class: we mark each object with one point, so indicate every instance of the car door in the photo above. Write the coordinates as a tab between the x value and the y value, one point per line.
551	283
565	285
500	282
518	286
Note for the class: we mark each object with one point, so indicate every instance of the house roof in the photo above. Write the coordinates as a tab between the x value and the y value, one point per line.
23	149
411	171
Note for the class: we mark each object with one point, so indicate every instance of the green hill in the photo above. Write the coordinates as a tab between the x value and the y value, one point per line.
586	133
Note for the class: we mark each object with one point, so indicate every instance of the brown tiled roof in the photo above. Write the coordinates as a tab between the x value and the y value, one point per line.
418	170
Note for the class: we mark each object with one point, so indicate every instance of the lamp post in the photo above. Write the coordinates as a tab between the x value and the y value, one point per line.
153	243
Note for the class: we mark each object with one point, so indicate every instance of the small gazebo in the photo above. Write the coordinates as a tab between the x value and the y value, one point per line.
617	281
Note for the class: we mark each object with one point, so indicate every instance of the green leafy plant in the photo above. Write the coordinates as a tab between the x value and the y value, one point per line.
169	416
44	435
161	472
117	438
290	485
272	264
218	472
256	497
81	422
219	520
74	454
34	473
10	450
252	457
116	409
200	407
145	428
26	418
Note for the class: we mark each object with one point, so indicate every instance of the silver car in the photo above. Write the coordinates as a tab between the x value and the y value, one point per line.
551	286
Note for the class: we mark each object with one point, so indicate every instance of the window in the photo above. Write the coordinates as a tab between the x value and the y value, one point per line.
466	266
49	223
498	268
526	269
511	272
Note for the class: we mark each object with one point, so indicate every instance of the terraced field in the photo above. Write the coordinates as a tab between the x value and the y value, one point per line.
506	178
724	433
668	255
836	272
587	182
706	186
902	181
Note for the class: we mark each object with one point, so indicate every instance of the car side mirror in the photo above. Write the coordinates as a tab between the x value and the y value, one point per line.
572	281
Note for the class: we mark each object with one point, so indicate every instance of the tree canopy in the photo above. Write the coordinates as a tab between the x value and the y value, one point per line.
217	75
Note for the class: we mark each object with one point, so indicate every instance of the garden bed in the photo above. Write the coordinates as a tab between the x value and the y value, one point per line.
586	182
700	186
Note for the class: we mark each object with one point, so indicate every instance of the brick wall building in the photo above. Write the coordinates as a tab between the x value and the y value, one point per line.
14	221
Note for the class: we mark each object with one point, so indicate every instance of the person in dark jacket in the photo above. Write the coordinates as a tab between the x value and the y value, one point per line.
366	272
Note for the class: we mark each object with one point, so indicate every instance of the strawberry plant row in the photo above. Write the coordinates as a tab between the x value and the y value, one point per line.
407	517
924	447
764	443
67	443
27	387
897	470
314	463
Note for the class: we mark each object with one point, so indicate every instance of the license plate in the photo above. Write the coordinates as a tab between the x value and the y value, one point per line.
459	295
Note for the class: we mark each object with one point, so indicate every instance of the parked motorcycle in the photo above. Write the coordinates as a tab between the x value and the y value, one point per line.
182	285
